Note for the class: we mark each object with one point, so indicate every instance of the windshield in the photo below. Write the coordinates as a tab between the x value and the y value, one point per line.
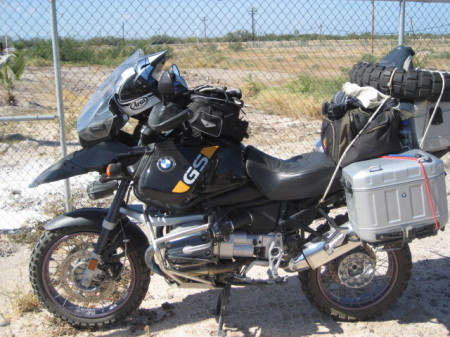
96	118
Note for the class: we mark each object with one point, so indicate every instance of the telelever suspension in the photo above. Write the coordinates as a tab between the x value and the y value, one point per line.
109	224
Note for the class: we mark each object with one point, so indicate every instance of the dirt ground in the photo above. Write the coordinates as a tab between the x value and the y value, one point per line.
266	311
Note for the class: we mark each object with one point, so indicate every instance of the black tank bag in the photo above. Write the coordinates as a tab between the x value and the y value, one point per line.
217	113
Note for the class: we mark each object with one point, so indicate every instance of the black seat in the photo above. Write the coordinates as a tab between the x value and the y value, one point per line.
301	177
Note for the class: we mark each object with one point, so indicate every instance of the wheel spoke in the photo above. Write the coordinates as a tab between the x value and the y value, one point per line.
63	271
358	279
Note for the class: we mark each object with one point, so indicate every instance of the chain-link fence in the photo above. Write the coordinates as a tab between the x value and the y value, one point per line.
287	56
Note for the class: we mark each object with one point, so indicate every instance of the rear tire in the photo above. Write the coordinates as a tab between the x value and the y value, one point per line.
56	268
419	84
359	285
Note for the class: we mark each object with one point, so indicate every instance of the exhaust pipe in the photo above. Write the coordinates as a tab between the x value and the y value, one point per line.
318	252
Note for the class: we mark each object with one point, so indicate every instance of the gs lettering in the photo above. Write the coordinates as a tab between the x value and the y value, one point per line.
194	171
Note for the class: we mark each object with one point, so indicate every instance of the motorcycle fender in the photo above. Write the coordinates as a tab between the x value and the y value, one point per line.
86	217
94	158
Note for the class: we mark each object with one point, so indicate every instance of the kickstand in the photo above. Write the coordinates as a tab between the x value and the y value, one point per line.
221	309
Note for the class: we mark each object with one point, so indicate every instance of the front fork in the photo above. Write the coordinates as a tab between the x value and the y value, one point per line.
108	225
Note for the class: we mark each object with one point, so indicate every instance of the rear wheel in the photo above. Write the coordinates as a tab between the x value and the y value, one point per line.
359	285
120	283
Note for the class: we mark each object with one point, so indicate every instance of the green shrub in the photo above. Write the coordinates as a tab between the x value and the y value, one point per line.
301	57
311	85
368	58
39	48
208	47
252	86
236	46
442	55
11	71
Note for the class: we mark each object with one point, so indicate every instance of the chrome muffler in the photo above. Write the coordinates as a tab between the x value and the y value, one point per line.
319	251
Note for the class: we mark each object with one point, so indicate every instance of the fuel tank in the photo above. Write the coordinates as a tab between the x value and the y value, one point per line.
177	176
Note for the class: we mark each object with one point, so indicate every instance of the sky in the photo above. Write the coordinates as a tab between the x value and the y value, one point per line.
189	18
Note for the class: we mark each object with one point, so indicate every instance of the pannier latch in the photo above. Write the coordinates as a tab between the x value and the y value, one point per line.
375	168
409	234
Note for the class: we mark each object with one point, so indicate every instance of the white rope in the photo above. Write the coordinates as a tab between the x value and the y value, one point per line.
349	146
391	79
434	111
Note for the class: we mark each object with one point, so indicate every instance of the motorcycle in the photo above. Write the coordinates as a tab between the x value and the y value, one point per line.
212	207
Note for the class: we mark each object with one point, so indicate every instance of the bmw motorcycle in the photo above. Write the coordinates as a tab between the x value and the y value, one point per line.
210	209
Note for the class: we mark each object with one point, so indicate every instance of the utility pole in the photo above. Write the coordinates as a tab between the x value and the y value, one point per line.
197	33
204	25
252	12
320	34
412	26
123	32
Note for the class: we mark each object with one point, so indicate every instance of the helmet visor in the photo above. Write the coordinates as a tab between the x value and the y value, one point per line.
131	89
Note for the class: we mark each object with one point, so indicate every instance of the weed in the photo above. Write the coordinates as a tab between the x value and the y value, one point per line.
21	301
283	102
60	328
314	86
442	55
302	84
27	236
11	71
252	87
303	91
236	46
208	47
301	57
277	59
368	58
345	71
39	62
54	209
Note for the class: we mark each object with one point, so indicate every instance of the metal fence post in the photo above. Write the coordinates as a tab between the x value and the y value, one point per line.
401	29
4	27
59	98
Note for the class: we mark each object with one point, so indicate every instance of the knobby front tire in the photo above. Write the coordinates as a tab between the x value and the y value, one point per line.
56	269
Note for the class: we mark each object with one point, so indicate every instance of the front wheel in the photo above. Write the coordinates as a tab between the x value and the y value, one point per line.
120	282
361	284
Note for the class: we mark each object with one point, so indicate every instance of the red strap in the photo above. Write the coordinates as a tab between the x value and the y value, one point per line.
427	186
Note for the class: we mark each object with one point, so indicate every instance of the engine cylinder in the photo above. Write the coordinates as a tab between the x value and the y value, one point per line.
242	244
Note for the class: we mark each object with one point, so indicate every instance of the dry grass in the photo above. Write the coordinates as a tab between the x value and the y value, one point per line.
60	328
21	302
27	236
287	104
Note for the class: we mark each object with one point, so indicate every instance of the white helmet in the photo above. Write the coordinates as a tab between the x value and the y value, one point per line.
138	90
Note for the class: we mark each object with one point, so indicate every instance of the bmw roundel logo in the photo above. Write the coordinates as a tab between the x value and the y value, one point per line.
166	164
